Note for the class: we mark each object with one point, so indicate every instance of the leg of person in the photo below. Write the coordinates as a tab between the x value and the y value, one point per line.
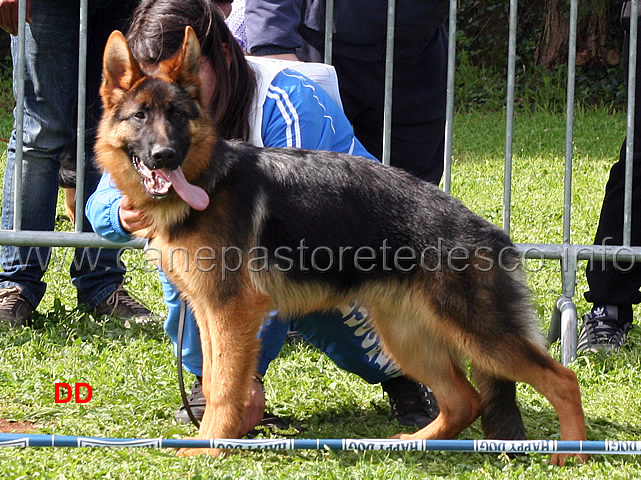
98	274
614	286
347	337
191	359
50	84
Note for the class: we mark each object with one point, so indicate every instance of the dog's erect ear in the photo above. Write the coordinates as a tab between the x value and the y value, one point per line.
119	69
183	68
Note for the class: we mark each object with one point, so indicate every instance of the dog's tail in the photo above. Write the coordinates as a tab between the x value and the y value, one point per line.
67	171
500	415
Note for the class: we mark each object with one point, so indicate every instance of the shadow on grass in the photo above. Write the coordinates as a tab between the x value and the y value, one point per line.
61	326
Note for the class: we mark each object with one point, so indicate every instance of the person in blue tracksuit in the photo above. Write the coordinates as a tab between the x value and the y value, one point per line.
275	105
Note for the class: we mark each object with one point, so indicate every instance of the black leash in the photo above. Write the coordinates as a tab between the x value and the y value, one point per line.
179	359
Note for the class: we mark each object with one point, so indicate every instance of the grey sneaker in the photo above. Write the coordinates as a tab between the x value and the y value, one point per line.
15	309
122	305
602	331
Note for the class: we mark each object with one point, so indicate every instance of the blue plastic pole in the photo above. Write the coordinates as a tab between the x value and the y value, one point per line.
621	447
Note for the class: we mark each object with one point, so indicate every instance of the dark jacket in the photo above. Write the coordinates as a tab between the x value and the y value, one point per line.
279	26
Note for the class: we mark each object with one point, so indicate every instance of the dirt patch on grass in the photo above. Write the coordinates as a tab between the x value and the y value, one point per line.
14	426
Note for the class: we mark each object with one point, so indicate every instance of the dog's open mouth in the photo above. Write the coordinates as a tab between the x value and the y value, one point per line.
158	184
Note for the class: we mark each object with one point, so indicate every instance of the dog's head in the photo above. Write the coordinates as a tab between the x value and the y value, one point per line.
151	138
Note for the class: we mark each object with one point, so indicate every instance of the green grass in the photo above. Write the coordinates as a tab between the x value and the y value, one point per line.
132	371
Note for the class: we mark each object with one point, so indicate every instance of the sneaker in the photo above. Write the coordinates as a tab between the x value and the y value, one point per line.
122	305
196	401
602	331
15	309
413	404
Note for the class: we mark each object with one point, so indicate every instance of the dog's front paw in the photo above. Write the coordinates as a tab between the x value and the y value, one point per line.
190	452
560	458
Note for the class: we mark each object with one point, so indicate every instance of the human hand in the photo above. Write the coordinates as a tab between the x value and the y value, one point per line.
9	15
254	408
131	219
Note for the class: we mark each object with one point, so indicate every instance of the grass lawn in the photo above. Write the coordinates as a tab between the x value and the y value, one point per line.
132	371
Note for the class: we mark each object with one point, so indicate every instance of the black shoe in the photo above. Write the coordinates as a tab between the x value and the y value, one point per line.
413	404
294	338
603	330
196	401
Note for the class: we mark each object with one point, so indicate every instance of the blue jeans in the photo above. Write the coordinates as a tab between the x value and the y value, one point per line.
51	86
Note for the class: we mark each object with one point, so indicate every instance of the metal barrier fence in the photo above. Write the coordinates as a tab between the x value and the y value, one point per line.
564	318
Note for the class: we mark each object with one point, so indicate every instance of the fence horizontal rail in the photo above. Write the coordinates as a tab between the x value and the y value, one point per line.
30	238
536	251
555	251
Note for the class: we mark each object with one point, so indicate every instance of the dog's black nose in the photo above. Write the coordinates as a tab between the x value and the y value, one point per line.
163	156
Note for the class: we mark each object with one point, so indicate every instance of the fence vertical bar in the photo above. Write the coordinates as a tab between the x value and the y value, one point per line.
569	127
449	103
509	118
329	31
568	261
389	82
80	133
19	89
629	146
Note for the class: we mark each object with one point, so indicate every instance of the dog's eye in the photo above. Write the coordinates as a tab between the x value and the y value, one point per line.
140	115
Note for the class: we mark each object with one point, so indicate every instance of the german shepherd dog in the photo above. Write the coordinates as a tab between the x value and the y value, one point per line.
308	231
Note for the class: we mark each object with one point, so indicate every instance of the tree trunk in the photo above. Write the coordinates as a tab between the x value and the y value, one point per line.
593	47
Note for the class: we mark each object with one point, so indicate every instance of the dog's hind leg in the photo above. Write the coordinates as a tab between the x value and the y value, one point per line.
516	358
559	385
500	415
229	343
427	359
457	399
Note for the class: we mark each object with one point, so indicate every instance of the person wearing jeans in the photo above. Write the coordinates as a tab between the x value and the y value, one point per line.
50	98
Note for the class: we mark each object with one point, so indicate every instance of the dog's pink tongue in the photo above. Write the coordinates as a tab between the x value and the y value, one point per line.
195	196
